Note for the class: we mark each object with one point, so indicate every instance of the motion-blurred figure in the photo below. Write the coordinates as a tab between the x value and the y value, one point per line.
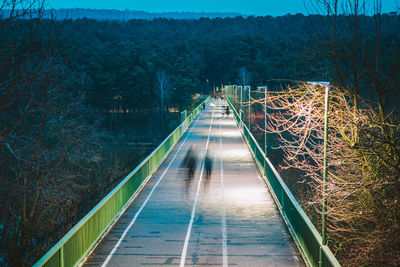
227	110
208	165
189	162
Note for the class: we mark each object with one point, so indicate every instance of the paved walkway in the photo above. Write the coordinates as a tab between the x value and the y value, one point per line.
228	219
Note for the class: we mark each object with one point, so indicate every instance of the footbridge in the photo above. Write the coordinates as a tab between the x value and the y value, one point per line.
241	215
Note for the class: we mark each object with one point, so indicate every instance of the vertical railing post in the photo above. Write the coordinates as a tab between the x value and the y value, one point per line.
62	256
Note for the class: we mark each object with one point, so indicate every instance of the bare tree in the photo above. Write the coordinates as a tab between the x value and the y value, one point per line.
48	151
244	77
162	89
361	178
362	58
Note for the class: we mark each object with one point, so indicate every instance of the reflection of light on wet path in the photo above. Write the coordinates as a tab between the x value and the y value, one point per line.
241	201
234	155
228	123
245	195
233	133
235	216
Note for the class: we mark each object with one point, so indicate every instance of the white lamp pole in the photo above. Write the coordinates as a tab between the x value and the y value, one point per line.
325	167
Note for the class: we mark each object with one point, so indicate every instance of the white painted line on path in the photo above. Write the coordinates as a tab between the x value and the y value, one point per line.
145	202
223	217
185	246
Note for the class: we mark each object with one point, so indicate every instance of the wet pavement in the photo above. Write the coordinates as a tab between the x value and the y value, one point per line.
229	219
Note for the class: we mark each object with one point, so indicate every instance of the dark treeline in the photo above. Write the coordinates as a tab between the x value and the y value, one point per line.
196	53
75	93
123	15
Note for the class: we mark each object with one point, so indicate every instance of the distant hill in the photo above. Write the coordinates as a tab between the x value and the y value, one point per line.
113	14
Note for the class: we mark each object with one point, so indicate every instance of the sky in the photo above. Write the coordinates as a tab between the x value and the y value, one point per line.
245	7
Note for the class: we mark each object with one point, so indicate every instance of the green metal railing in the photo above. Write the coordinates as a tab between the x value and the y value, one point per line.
303	231
81	239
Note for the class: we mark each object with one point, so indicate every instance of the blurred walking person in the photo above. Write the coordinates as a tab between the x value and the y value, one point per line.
227	110
208	163
189	162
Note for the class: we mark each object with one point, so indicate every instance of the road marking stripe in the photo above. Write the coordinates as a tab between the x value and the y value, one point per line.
145	202
223	218
185	246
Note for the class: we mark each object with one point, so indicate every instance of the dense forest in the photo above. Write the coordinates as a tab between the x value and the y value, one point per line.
123	15
80	98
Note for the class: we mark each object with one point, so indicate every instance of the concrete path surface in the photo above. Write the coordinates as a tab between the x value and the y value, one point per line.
229	219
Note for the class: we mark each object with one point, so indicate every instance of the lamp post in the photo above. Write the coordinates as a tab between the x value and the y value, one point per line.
265	126
265	116
325	168
234	95
240	111
249	107
265	123
241	97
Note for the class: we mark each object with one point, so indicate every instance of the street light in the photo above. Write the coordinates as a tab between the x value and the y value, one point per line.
327	86
241	106
234	96
265	116
241	97
265	125
249	106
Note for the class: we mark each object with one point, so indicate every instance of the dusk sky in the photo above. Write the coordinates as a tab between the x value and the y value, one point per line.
247	7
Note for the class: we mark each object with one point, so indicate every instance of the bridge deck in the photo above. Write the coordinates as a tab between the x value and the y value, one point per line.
230	219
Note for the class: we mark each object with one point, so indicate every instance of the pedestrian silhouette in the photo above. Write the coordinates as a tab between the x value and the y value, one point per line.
227	110
208	165
189	162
